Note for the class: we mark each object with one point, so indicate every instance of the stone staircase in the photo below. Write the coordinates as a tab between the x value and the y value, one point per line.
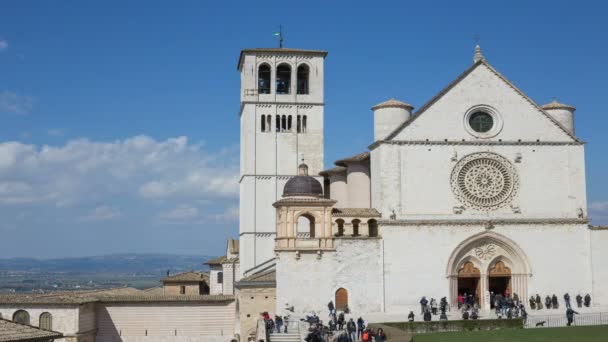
282	337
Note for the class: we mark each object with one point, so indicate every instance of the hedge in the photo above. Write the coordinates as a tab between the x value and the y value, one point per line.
462	325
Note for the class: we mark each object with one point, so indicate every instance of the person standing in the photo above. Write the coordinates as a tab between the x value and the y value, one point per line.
278	322
460	300
360	327
539	302
532	303
433	306
286	322
351	327
548	302
331	307
380	335
410	317
554	301
579	300
567	300
570	315
423	303
587	300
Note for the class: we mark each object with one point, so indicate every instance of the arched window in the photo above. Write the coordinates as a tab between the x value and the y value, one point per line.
303	72
182	289
306	225
21	316
283	123
340	223
46	321
372	225
220	277
283	79
303	123
341	299
268	123
355	223
289	123
278	124
263	123
264	79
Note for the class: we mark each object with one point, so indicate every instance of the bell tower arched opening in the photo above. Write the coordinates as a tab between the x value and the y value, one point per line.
306	225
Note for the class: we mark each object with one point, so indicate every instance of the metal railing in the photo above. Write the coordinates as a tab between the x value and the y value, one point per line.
554	321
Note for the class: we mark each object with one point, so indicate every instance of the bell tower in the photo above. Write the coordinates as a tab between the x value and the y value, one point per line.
282	108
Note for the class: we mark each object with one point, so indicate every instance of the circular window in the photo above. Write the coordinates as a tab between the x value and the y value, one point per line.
484	181
481	122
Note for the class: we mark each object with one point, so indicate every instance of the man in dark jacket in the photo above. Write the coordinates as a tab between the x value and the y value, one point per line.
427	316
410	317
351	327
423	303
554	301
570	316
567	300
579	300
587	300
331	307
548	302
539	302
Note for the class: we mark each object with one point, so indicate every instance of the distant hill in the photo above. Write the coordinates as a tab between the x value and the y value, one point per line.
113	263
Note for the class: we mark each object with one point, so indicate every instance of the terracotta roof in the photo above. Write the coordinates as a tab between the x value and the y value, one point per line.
264	278
279	50
216	261
166	298
154	291
356	158
63	299
335	170
392	103
12	331
452	84
187	276
354	212
557	105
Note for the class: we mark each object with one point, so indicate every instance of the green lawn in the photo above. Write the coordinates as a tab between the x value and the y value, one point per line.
574	334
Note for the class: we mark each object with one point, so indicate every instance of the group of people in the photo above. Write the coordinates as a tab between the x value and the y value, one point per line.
278	324
339	329
551	302
429	308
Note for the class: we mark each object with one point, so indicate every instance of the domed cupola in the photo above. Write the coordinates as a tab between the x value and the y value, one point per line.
303	184
562	113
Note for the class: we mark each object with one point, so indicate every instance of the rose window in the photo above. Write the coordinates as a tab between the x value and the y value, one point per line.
484	180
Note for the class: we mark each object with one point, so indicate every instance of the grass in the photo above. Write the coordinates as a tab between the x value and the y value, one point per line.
574	334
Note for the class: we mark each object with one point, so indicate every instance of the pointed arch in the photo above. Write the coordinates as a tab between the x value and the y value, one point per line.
515	254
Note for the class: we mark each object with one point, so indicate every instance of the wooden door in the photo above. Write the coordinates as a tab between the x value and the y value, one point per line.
341	299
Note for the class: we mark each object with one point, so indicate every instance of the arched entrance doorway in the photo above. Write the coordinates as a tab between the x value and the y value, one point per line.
499	279
341	299
503	268
469	280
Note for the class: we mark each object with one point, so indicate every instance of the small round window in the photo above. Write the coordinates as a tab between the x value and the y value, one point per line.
481	122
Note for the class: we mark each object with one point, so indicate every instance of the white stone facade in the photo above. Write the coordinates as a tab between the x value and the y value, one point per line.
508	199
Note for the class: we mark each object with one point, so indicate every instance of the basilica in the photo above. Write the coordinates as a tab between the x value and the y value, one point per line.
480	190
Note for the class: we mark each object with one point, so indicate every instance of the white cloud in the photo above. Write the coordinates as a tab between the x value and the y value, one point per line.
14	103
3	45
230	214
103	213
183	213
599	206
140	168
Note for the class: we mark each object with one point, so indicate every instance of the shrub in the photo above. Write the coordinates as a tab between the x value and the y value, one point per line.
462	325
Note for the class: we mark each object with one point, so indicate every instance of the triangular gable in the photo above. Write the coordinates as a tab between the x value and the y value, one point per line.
458	80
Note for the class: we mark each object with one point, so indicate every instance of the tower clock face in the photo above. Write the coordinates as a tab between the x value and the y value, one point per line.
484	181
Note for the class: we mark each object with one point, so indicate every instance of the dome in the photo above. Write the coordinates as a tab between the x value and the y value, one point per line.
303	184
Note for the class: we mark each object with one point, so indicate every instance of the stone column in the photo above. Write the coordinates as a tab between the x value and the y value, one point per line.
484	296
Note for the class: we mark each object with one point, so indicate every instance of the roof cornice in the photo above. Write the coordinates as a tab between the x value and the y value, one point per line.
475	143
279	51
461	222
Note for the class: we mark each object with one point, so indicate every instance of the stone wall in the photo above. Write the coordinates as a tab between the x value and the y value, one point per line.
175	289
252	302
65	319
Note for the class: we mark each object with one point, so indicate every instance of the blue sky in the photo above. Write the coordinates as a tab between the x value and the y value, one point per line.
120	119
